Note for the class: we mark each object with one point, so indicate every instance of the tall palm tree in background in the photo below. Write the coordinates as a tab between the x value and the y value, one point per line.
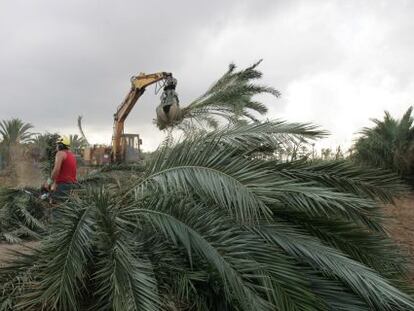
230	98
209	224
389	144
15	131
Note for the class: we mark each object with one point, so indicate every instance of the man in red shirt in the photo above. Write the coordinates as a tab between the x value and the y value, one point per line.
63	178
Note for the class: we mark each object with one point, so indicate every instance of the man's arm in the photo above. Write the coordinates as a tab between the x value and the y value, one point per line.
60	156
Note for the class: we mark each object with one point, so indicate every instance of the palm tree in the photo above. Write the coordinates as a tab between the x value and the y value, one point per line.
77	143
44	151
389	144
47	140
207	225
229	98
15	131
326	153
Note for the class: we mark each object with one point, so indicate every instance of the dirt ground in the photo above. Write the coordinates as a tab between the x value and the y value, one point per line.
400	224
5	181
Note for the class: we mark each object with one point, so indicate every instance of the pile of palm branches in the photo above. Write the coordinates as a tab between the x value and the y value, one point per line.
22	215
209	224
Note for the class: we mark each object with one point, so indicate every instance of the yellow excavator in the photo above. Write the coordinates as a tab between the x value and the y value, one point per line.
126	147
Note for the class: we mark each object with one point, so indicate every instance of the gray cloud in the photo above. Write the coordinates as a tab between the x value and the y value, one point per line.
59	59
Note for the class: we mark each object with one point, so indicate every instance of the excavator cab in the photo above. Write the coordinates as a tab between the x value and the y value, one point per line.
130	145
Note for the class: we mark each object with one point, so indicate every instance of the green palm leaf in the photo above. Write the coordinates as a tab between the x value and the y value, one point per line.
230	98
374	289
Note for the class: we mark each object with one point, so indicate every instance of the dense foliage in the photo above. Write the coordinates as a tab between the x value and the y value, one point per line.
22	215
389	144
209	224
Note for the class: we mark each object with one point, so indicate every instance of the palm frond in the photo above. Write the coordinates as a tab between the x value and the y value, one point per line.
233	283
62	259
345	176
230	98
21	215
361	279
132	285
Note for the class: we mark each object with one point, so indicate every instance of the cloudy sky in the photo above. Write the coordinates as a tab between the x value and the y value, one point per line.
336	63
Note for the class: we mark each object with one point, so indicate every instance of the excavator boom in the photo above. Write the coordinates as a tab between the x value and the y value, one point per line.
138	85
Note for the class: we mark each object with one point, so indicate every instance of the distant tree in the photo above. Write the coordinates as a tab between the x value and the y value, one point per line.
326	153
389	144
313	151
15	131
77	143
12	133
44	142
44	150
339	155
